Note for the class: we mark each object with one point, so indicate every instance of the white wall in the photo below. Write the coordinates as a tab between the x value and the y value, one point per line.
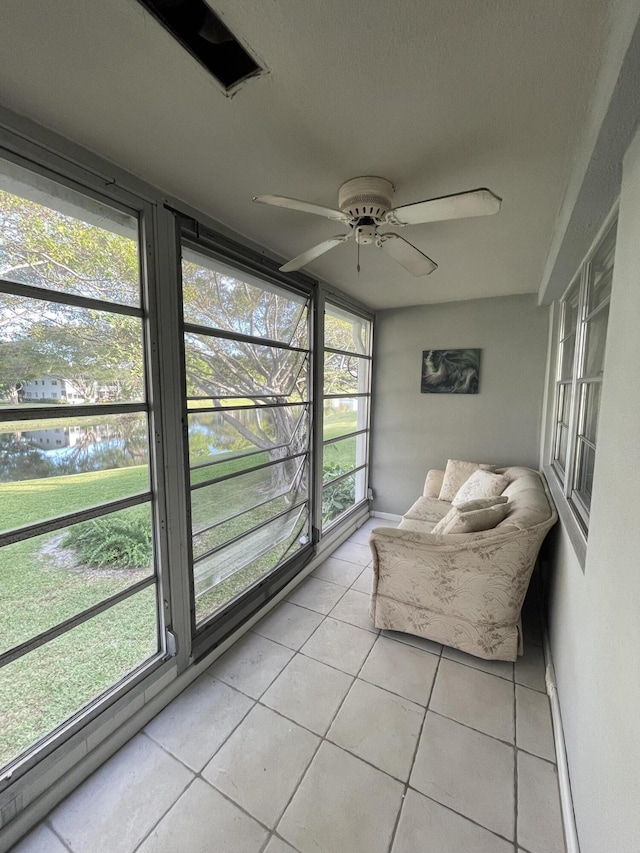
413	432
595	616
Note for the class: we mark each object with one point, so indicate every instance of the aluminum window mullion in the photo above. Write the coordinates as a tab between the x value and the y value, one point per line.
66	411
344	476
235	474
348	353
41	527
223	334
346	395
327	441
29	291
256	406
64	627
578	359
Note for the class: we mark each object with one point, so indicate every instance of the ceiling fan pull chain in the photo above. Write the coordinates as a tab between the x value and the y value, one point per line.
358	266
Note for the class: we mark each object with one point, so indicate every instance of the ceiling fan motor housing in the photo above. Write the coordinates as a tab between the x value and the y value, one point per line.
366	197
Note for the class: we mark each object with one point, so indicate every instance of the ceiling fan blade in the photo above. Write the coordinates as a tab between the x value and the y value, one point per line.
480	202
412	259
304	206
311	254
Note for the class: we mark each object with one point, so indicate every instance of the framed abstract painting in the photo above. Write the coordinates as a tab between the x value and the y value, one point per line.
450	371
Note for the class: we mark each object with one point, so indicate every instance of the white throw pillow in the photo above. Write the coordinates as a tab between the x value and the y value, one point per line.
482	484
455	475
473	521
482	503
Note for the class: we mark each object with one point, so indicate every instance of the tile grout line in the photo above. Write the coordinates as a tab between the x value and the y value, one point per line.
415	754
323	738
47	823
165	813
515	766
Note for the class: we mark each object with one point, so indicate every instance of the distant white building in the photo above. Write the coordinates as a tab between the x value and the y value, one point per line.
48	388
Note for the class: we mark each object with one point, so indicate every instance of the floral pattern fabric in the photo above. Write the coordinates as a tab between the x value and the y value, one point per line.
463	592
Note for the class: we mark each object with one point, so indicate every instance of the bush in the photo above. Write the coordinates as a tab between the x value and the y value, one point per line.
338	497
118	541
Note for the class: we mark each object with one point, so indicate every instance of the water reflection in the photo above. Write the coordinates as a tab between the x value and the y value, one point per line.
73	449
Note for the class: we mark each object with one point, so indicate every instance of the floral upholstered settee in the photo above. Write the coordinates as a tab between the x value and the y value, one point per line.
462	589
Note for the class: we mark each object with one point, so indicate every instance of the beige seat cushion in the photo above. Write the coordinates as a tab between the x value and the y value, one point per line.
427	509
456	474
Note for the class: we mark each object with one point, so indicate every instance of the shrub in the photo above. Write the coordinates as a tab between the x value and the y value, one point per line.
118	541
338	497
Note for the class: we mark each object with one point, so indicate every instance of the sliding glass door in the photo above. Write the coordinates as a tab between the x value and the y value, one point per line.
247	379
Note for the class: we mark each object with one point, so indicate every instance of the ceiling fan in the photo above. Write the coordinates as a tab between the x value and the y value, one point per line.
364	204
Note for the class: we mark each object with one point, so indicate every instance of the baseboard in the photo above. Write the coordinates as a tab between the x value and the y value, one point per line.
564	781
388	516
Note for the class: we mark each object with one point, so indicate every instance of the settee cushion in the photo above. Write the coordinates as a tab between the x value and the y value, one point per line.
481	484
427	510
482	503
472	521
456	474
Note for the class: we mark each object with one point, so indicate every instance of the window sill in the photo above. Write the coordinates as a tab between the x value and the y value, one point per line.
567	516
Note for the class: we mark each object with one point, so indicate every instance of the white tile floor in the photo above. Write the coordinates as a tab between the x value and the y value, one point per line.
317	733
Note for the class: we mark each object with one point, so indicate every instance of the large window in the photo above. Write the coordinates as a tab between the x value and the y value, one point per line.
247	369
78	564
345	423
581	351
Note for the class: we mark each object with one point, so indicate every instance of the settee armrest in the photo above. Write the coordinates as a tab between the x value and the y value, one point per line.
457	573
433	483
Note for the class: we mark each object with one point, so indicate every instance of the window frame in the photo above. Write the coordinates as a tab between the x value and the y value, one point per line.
364	468
54	168
195	237
577	384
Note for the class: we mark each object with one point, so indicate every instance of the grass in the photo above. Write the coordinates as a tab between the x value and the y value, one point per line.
38	590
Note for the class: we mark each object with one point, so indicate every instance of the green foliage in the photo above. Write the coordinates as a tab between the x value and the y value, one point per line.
339	496
118	541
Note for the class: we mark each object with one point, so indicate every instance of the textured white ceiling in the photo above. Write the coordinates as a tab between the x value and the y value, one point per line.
438	97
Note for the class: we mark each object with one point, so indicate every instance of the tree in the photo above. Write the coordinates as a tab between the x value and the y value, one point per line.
42	247
221	369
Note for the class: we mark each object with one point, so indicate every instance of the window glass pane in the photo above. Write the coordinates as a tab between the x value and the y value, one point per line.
52	467
340	457
96	356
596	339
259	552
259	495
219	297
585	462
561	447
338	497
345	331
568	351
50	578
345	374
218	436
217	367
564	403
601	271
571	309
591	411
40	690
344	415
53	237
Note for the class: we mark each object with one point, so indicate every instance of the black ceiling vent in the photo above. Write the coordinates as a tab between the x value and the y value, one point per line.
203	34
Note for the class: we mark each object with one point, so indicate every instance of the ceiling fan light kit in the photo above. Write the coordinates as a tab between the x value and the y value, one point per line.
364	204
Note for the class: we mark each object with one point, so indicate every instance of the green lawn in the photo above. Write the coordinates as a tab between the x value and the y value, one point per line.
38	590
